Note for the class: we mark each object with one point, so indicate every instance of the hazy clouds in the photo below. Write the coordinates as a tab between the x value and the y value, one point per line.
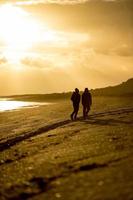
91	44
3	60
29	2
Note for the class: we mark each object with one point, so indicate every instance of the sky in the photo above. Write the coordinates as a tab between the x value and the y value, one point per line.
51	46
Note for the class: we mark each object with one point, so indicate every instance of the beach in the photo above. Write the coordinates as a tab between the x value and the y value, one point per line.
45	155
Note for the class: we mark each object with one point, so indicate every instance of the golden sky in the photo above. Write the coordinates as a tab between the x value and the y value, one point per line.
56	45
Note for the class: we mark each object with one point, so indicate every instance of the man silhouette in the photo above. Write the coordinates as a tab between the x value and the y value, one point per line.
86	102
75	98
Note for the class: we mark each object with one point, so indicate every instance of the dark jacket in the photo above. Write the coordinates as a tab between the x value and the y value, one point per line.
75	98
86	99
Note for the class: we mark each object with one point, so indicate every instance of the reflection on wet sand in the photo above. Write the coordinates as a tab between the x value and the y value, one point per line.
12	105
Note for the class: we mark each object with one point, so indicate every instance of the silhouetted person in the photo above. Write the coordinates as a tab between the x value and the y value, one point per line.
75	98
86	102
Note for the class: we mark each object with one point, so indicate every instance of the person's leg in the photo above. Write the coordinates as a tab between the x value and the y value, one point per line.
84	112
76	111
87	110
72	115
72	112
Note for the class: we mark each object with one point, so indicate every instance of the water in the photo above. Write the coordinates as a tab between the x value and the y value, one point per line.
7	105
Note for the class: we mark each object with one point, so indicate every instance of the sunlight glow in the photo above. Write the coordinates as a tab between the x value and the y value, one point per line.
6	105
11	105
18	30
21	33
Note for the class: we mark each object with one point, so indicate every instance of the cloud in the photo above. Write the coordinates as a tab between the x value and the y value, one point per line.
59	58
63	2
60	39
3	60
29	2
36	62
123	50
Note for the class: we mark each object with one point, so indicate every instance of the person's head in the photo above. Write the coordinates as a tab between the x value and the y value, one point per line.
76	90
86	90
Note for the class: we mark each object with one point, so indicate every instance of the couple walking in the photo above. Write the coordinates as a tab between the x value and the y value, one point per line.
86	103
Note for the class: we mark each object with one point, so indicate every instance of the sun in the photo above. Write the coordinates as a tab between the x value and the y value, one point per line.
18	30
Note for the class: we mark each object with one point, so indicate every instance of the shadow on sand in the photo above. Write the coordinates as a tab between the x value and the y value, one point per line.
93	119
104	122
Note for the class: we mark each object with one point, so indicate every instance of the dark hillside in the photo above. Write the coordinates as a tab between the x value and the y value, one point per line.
124	89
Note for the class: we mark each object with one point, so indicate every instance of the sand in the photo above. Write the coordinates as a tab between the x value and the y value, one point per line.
44	155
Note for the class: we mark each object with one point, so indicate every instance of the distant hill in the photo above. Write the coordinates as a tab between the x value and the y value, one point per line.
40	97
124	89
